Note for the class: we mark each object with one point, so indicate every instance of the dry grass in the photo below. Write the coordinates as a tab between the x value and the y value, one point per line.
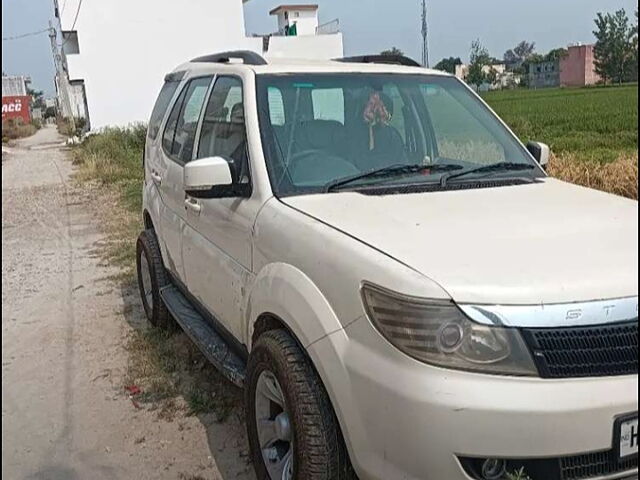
175	378
619	177
14	129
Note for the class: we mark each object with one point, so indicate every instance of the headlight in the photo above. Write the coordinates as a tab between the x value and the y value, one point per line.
438	332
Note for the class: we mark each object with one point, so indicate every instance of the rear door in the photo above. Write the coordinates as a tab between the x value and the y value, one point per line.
178	140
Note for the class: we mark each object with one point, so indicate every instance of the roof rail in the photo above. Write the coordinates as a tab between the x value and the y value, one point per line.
248	57
387	59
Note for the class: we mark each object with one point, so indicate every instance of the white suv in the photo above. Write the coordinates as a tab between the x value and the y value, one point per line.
389	273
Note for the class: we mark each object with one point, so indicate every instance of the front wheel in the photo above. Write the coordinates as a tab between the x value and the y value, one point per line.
293	430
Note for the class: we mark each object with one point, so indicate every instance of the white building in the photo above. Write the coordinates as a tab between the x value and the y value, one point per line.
15	86
303	17
504	78
118	51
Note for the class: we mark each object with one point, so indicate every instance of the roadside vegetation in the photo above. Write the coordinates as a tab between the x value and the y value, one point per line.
592	132
592	124
166	373
15	128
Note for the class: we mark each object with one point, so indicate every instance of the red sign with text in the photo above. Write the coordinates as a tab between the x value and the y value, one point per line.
16	107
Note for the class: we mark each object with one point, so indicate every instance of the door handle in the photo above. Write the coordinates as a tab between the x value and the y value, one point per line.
193	205
156	177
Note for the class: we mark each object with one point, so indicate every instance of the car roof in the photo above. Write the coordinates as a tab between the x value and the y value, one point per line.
289	65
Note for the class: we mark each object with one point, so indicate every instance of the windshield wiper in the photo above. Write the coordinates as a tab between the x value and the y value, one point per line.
391	171
494	167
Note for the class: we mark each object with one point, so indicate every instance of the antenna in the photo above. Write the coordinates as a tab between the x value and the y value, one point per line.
425	35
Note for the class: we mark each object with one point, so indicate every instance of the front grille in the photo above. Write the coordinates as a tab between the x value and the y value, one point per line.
600	351
593	465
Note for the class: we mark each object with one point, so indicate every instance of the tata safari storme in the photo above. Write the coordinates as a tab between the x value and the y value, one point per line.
391	276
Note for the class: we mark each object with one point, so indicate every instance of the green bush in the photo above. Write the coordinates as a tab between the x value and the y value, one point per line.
113	157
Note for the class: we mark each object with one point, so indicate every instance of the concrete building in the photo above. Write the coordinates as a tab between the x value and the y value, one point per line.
544	74
504	78
15	85
577	68
117	52
303	17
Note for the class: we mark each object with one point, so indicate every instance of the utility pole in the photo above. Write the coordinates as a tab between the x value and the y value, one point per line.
425	35
61	78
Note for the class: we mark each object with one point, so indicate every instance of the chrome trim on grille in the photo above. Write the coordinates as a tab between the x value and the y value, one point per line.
584	314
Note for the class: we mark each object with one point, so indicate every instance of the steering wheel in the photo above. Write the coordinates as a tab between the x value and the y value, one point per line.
318	167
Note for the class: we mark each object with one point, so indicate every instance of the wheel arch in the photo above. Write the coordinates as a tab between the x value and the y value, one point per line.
282	296
147	220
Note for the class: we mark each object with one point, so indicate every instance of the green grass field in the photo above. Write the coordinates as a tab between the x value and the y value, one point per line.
599	123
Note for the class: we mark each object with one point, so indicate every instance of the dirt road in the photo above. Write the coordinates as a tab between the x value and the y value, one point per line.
65	414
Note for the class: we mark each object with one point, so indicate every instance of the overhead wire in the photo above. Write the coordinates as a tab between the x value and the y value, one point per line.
24	35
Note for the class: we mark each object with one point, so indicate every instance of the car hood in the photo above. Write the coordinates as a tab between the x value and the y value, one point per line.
544	243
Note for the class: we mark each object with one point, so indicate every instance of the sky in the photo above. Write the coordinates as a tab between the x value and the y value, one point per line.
369	26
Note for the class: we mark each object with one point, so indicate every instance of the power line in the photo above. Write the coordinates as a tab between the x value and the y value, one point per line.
24	35
75	19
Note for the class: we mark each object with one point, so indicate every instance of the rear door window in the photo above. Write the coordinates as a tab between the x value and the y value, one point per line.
160	108
185	123
172	123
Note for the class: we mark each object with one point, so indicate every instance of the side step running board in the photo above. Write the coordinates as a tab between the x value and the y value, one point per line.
212	345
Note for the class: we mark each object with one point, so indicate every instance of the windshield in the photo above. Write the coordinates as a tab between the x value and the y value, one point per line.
323	131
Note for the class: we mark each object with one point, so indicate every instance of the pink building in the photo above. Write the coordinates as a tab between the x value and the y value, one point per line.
578	69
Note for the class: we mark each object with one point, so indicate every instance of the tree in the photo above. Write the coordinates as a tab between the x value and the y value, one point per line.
491	76
634	50
448	64
614	49
478	59
392	52
38	98
556	54
516	56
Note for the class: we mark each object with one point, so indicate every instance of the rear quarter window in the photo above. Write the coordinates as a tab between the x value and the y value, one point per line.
160	108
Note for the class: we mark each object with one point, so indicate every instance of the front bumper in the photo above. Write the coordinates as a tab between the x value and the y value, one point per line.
406	420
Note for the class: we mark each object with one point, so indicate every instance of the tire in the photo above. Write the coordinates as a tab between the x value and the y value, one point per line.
148	251
317	447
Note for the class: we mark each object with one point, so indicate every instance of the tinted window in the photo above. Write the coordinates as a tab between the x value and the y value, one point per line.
328	104
223	127
459	133
187	122
160	108
172	122
321	129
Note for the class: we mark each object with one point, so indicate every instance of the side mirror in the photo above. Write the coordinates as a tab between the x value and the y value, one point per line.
206	174
541	152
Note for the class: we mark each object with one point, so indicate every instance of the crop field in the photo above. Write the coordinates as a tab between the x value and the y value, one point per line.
593	132
594	124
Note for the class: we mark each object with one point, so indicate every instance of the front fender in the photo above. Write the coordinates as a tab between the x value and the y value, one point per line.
284	291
